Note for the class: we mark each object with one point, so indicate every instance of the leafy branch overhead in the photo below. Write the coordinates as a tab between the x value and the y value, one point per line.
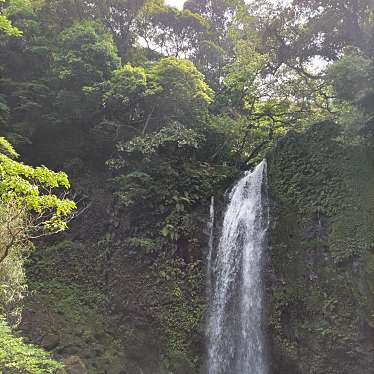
35	198
6	25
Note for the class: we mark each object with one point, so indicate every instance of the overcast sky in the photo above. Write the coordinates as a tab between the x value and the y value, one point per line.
177	3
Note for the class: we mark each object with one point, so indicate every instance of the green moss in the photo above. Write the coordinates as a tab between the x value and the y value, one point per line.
143	246
179	363
323	212
73	313
70	300
75	316
370	267
182	317
370	279
17	356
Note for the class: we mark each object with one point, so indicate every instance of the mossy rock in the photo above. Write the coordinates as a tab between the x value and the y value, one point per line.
321	253
73	365
178	363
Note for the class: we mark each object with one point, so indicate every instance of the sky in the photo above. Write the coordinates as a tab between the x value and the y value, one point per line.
176	3
179	3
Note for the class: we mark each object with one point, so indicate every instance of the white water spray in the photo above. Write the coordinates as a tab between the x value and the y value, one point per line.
211	244
235	328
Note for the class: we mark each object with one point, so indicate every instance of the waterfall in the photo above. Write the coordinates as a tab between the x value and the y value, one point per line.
235	326
211	244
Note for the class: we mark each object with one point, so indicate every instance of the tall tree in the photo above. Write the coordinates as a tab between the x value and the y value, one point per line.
170	31
6	25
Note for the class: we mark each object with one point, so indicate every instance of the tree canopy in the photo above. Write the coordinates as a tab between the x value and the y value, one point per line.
129	84
163	107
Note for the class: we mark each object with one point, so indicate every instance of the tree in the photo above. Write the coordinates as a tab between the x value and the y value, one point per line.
84	58
141	100
31	198
215	47
6	25
33	203
25	94
254	106
85	55
300	30
120	17
353	77
170	31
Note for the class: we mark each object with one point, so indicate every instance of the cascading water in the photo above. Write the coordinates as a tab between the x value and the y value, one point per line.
235	332
211	244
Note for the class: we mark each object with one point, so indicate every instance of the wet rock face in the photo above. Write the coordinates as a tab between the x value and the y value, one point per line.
321	275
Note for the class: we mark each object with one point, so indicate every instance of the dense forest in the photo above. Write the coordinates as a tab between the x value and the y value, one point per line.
141	112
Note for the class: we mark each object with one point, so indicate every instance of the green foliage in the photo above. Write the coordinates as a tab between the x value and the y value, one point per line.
183	87
292	31
71	300
160	109
143	245
32	189
320	238
175	32
173	134
18	357
7	148
177	362
85	55
298	170
352	76
6	25
127	82
171	192
145	99
13	285
177	131
28	208
134	188
184	314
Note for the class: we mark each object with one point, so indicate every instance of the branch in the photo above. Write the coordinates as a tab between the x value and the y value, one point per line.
148	119
259	146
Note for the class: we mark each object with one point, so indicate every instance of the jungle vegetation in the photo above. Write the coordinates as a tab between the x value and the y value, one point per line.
166	105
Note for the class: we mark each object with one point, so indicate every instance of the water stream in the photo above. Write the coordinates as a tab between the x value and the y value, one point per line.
236	341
